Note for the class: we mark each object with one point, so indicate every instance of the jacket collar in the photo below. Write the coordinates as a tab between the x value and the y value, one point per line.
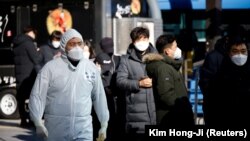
151	57
66	60
133	53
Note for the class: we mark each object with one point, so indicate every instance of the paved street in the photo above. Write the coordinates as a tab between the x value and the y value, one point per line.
11	131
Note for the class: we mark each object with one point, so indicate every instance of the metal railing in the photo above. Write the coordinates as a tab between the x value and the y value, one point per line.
195	69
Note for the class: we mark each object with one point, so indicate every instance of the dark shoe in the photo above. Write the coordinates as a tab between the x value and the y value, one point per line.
31	123
24	124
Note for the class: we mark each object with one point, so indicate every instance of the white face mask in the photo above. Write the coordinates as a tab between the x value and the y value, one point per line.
239	59
56	44
86	55
177	53
141	45
75	53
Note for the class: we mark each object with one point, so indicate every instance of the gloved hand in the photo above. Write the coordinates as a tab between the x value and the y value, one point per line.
102	132
41	130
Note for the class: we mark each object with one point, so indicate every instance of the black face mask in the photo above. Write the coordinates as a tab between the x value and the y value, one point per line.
73	62
139	54
110	54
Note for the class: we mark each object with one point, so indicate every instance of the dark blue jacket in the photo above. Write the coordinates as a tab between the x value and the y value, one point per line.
48	52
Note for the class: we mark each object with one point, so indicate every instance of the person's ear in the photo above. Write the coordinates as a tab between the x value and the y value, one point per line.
166	51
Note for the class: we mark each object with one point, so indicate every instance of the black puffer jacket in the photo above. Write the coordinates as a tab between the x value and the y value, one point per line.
48	52
140	106
212	64
229	95
209	69
26	58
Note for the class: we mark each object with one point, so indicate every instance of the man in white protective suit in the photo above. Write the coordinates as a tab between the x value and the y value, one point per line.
64	92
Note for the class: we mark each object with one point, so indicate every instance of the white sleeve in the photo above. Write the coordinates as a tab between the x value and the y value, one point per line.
37	100
99	100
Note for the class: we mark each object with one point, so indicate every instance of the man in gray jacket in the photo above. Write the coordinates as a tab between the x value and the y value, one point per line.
64	91
132	79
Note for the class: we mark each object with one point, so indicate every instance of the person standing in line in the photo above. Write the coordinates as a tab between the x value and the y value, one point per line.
173	108
229	95
137	86
212	63
107	63
107	46
64	91
26	60
88	51
52	49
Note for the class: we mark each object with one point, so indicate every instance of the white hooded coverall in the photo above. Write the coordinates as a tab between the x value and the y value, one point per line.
64	94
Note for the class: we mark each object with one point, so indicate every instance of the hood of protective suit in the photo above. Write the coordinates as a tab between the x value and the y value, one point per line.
69	34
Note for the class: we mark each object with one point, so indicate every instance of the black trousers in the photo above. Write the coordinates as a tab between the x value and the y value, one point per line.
23	94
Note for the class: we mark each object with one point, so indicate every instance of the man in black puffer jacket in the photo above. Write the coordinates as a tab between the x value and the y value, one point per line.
27	60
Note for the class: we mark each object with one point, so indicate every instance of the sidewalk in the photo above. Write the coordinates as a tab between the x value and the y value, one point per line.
11	131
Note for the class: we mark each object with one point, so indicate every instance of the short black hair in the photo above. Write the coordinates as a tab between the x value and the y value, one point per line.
163	40
139	32
235	40
28	29
56	35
